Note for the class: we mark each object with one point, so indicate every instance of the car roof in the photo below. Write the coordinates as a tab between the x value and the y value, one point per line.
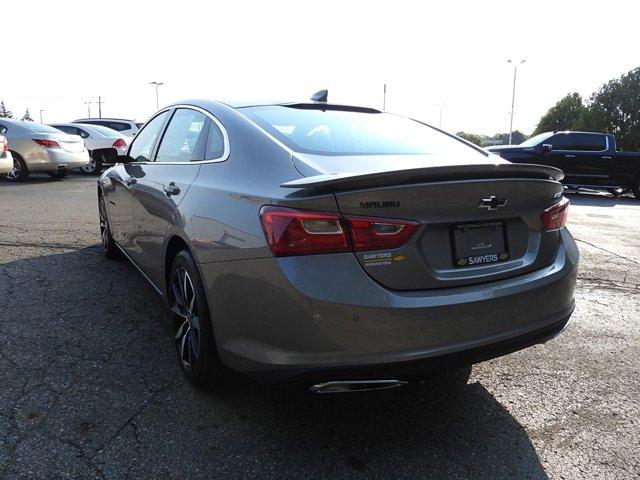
103	118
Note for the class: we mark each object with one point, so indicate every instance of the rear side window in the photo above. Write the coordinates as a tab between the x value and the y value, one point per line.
142	146
590	143
3	129
185	137
215	143
67	129
562	141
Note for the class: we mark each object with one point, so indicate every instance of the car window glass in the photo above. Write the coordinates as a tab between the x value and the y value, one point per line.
183	140
66	129
82	133
590	143
562	141
3	129
143	144
215	143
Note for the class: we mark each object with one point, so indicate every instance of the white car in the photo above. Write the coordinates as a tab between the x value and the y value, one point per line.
125	127
6	160
41	148
103	144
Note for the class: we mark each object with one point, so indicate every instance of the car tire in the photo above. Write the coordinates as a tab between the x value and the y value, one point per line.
94	167
20	171
111	250
191	324
636	187
58	173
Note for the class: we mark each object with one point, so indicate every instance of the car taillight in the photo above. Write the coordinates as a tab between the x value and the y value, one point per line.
46	143
298	232
555	217
293	232
119	143
376	233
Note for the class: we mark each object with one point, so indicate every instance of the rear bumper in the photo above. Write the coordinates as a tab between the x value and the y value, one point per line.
325	319
6	162
50	159
415	369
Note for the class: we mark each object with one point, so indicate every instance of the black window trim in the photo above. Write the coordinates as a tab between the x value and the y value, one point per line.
154	150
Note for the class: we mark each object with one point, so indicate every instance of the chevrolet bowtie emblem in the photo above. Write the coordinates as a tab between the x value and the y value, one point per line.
492	203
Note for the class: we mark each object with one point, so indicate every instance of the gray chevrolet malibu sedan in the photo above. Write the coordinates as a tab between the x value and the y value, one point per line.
336	246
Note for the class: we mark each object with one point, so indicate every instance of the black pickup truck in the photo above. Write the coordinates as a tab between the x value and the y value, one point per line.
587	159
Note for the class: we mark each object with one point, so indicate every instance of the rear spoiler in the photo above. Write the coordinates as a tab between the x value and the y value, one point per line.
350	180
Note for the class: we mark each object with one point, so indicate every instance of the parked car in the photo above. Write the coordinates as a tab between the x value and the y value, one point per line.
103	144
125	127
337	246
6	160
41	148
587	159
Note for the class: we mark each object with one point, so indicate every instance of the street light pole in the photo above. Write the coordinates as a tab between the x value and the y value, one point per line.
513	95
88	104
157	85
384	97
41	110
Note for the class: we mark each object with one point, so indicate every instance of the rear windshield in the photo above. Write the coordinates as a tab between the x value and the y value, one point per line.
341	132
104	131
39	128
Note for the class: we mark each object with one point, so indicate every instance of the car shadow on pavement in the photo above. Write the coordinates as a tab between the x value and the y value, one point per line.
600	200
91	388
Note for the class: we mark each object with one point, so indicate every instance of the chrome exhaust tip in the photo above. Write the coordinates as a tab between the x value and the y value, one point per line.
345	386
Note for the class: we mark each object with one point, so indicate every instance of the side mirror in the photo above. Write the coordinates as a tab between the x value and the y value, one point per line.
123	159
546	147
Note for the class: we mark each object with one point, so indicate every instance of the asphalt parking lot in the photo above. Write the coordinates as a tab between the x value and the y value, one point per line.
90	386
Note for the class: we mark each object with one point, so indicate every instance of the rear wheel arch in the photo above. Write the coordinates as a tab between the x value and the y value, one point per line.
174	246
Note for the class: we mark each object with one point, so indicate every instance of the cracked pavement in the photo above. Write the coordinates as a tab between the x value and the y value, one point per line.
91	387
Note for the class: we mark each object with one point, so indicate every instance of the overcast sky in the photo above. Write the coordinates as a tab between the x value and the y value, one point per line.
448	55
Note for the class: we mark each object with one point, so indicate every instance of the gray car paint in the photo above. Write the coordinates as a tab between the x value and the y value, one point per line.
322	311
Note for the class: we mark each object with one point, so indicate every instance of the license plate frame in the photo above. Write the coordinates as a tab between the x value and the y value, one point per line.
479	243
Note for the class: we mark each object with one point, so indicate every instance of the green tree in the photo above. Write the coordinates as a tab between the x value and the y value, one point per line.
27	116
567	114
4	113
471	137
615	108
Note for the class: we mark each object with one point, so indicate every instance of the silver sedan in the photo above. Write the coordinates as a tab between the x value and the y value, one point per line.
40	148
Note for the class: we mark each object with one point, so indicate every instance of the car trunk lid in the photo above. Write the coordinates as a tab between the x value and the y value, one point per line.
478	222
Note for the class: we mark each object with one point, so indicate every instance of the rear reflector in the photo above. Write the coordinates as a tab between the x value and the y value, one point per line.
293	232
555	217
299	232
377	233
46	143
119	143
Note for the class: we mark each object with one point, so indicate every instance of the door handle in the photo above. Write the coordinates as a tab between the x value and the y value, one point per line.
569	156
171	189
606	158
130	181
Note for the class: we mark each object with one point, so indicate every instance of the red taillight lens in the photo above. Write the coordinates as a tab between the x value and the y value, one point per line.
119	143
555	217
293	232
46	143
377	233
299	232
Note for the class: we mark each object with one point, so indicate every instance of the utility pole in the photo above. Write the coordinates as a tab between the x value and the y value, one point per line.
100	102
384	97
440	108
513	95
41	110
157	85
88	104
